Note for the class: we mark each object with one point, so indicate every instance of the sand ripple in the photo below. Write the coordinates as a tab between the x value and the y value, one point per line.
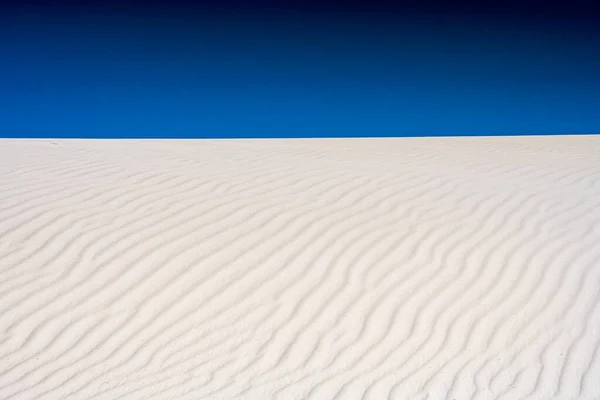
416	268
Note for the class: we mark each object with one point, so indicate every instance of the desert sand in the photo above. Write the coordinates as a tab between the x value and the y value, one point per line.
405	268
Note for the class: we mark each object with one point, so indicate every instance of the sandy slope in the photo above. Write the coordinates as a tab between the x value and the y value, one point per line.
441	268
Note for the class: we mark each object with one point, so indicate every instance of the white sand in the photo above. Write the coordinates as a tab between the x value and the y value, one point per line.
417	268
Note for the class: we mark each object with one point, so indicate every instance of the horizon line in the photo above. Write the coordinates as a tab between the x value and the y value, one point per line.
237	137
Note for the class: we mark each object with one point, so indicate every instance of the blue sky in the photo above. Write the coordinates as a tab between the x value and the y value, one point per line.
92	74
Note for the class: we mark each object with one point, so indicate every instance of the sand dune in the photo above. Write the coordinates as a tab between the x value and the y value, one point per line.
415	268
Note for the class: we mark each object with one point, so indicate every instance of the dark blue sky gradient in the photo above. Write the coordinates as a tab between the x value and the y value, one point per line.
236	70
